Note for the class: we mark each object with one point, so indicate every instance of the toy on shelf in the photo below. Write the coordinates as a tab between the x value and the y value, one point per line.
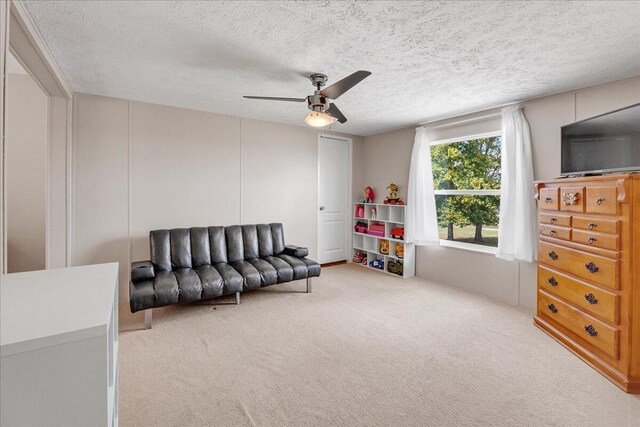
377	263
384	247
374	213
376	230
360	257
392	198
369	195
361	227
360	211
397	233
395	267
400	251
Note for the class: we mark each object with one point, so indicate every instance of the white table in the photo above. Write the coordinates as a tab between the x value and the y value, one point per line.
59	347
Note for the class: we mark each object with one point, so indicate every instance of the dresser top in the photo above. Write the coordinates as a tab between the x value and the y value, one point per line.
50	307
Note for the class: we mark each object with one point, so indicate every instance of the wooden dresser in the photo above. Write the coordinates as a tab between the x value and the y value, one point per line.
589	271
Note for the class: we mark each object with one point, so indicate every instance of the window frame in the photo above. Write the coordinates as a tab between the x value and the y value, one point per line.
473	247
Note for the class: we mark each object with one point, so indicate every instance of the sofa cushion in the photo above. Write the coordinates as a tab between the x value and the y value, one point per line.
217	245
233	281
200	249
142	270
268	274
189	285
265	240
180	240
235	245
250	275
160	250
284	270
299	267
212	282
250	242
313	268
165	286
277	235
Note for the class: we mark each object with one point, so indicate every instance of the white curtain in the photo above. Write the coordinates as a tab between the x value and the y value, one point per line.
517	227
421	226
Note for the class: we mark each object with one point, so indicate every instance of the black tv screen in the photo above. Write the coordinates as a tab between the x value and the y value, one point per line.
602	144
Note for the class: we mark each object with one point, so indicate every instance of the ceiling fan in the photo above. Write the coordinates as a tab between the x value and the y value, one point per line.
323	111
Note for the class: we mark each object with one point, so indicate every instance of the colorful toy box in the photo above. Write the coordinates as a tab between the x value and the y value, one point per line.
376	230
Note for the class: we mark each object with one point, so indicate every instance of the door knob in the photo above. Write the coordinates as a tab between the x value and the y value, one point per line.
321	208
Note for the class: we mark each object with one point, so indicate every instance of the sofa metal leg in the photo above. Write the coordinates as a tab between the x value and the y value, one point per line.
308	285
147	319
237	298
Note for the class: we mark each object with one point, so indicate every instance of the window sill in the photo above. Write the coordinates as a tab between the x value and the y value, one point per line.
487	250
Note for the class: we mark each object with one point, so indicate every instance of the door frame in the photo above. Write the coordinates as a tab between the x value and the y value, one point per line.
348	235
25	42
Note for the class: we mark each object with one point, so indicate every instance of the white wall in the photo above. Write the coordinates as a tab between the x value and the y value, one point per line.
387	158
140	167
26	174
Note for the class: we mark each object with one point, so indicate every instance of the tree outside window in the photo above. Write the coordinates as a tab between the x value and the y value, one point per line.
466	176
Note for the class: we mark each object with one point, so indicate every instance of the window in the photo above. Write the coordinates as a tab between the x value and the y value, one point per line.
466	175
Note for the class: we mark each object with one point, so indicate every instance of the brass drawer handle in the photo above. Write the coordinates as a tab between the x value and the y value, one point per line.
592	226
591	240
590	330
552	308
553	255
599	200
553	232
548	200
591	267
591	298
552	281
553	220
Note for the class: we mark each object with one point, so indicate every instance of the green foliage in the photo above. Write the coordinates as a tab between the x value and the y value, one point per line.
467	165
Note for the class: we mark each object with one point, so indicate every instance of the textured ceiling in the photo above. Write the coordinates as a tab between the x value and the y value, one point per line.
428	59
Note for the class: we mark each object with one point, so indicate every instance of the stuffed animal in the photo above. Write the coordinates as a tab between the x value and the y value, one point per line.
384	247
369	195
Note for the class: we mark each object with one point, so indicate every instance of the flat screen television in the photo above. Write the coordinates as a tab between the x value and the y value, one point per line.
602	144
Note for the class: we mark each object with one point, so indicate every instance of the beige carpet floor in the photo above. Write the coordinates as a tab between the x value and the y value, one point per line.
364	349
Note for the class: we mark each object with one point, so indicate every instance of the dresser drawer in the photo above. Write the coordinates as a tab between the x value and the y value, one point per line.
593	268
572	199
597	224
602	200
549	199
588	328
557	232
598	302
599	240
555	219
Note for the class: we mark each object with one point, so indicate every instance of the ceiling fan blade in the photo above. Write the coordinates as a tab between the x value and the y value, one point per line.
340	87
274	98
333	111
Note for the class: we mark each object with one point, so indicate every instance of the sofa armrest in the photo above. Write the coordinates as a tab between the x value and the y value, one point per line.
296	251
142	270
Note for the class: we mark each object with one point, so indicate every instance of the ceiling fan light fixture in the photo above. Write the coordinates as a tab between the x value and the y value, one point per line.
317	119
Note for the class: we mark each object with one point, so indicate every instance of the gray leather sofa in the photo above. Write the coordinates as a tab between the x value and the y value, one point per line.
191	264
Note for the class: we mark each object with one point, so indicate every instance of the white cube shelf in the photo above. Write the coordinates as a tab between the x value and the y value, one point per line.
390	216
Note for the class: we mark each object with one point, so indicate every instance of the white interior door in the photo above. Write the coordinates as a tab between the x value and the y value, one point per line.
333	199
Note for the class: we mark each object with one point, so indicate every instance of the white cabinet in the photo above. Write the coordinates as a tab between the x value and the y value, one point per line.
383	220
59	347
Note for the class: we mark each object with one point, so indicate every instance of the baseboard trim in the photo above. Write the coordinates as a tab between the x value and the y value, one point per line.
331	264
